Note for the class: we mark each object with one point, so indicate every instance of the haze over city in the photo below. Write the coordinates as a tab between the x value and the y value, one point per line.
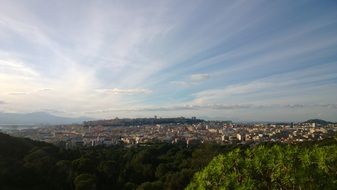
237	60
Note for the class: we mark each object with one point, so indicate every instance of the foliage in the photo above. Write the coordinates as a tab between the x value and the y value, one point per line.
34	165
304	166
85	182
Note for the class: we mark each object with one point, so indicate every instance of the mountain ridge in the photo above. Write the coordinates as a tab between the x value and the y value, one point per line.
37	118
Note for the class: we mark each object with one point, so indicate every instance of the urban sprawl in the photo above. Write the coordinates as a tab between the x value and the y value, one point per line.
175	130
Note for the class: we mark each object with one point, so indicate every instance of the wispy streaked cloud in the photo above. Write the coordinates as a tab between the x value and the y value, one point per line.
239	59
193	79
199	77
217	107
16	68
124	91
17	93
38	91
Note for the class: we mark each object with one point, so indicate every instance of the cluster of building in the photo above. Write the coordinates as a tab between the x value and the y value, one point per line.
71	136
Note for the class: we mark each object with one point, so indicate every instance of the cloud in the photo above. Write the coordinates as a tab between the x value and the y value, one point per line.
18	93
292	87
217	107
32	92
130	91
198	77
16	68
192	80
181	83
52	111
224	56
213	96
43	90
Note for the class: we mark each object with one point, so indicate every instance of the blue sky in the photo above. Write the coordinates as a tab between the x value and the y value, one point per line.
240	60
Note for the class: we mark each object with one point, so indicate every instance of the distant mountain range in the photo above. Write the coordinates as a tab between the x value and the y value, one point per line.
37	118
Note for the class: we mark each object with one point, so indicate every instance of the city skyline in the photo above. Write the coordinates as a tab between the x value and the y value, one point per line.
234	60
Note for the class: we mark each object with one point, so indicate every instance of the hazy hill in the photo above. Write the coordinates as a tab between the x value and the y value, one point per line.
36	118
318	121
32	165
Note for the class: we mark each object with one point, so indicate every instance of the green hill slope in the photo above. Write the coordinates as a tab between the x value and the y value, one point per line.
27	164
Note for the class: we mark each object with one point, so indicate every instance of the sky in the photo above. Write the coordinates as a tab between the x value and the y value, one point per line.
250	60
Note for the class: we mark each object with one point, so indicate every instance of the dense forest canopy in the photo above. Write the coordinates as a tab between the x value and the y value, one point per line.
27	164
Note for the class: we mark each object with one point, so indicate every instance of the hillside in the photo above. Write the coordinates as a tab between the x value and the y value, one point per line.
16	164
31	165
36	118
13	147
318	121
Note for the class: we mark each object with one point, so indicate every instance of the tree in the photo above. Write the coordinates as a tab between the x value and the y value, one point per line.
85	182
271	167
